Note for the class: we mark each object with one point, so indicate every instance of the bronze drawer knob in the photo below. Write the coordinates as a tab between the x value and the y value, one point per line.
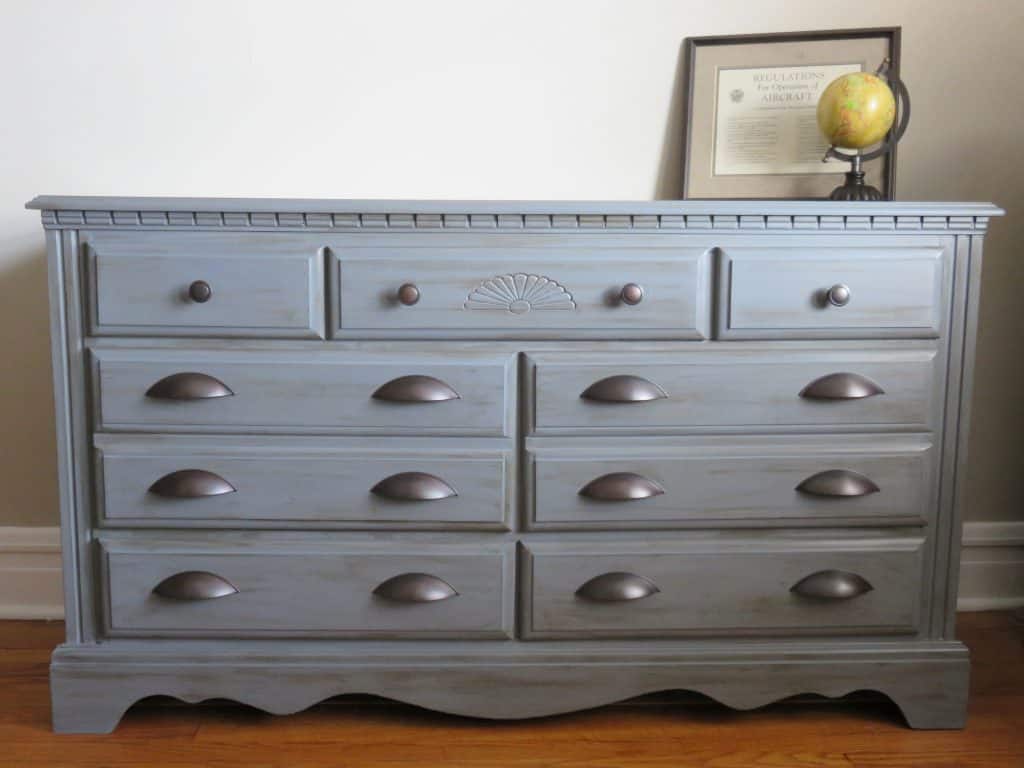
838	295
631	294
408	294
200	291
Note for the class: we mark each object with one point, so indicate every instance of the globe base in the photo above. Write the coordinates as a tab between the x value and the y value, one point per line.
856	189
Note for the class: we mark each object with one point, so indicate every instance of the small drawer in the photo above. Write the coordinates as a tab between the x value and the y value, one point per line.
407	392
524	292
198	481
723	585
730	387
304	587
831	292
731	481
204	284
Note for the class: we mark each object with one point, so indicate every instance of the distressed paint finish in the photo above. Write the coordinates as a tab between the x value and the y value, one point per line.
731	327
737	386
736	587
260	286
313	481
737	481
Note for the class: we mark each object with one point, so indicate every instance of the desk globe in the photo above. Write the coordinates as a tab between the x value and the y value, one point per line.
857	111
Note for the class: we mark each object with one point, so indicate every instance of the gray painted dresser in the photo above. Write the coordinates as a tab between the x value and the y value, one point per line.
510	459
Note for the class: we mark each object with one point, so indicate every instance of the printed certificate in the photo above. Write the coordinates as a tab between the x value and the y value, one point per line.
765	121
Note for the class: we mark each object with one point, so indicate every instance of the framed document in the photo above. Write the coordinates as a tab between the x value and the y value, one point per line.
751	124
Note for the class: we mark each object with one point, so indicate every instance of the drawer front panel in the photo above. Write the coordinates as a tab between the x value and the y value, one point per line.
204	284
466	393
316	592
740	587
788	292
216	480
652	483
716	388
523	293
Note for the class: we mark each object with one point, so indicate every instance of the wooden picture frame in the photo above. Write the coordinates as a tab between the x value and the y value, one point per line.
722	154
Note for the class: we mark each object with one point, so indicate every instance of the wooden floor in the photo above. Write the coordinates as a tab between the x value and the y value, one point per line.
674	731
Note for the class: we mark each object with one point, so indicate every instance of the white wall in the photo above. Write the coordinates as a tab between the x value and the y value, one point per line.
447	98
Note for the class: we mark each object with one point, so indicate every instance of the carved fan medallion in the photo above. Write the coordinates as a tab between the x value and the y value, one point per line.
518	294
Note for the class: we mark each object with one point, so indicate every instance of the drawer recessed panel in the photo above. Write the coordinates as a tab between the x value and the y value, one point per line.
204	284
728	586
408	392
523	292
209	481
832	292
731	481
732	387
240	591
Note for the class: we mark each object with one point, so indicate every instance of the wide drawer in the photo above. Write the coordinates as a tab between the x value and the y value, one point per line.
723	586
730	481
204	284
523	292
833	292
209	481
750	387
358	390
304	587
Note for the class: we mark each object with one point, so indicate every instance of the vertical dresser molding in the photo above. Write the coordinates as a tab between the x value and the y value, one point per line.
959	393
98	673
68	360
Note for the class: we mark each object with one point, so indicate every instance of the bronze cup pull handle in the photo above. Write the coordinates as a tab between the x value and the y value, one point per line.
413	486
841	386
831	585
623	388
415	588
188	386
617	587
838	483
415	389
195	585
191	484
621	486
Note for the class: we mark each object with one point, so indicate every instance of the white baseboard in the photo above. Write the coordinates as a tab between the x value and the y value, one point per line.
30	576
992	566
991	570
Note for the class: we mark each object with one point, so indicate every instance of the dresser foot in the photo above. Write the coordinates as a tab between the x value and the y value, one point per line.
936	704
87	704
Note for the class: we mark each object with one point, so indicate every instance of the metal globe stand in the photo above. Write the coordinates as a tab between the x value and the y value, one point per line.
854	188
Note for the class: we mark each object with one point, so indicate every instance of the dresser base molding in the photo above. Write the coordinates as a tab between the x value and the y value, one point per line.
93	687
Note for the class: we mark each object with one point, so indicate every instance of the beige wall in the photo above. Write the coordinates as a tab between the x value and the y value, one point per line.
469	99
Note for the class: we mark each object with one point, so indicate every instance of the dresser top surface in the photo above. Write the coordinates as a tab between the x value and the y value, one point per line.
499	207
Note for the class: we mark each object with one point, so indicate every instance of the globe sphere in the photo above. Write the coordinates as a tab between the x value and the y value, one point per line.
856	110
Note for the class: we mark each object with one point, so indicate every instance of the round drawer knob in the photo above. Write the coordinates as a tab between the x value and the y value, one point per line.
200	292
839	295
408	294
631	294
